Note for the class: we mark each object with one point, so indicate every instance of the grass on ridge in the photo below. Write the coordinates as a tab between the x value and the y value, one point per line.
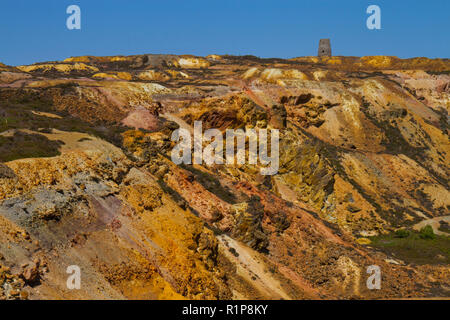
415	247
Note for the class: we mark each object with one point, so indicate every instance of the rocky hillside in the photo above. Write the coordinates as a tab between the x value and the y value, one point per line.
86	179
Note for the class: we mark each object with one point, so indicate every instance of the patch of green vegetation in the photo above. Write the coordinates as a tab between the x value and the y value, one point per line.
427	233
423	247
23	145
402	233
20	116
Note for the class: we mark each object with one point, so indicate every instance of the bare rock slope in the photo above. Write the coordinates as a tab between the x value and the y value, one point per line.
86	178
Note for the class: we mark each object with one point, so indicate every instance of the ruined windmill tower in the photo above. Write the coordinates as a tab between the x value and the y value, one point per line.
324	48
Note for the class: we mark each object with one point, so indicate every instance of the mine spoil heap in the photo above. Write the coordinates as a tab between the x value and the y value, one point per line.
86	178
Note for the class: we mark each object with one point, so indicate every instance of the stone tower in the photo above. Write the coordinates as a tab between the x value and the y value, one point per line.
324	48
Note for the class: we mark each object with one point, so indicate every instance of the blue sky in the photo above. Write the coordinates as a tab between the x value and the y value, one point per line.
33	31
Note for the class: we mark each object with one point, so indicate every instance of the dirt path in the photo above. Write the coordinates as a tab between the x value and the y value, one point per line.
253	269
434	223
183	124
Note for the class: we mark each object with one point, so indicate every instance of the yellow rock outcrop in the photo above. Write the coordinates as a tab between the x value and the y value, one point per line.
65	68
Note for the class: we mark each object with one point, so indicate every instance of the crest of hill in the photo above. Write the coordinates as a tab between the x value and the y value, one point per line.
378	63
5	68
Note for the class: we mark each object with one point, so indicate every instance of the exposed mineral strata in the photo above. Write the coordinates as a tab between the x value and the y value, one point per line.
86	178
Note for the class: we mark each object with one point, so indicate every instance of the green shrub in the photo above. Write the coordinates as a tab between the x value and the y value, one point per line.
402	233
427	232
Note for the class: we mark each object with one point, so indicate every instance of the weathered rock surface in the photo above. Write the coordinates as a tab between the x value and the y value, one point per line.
87	179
